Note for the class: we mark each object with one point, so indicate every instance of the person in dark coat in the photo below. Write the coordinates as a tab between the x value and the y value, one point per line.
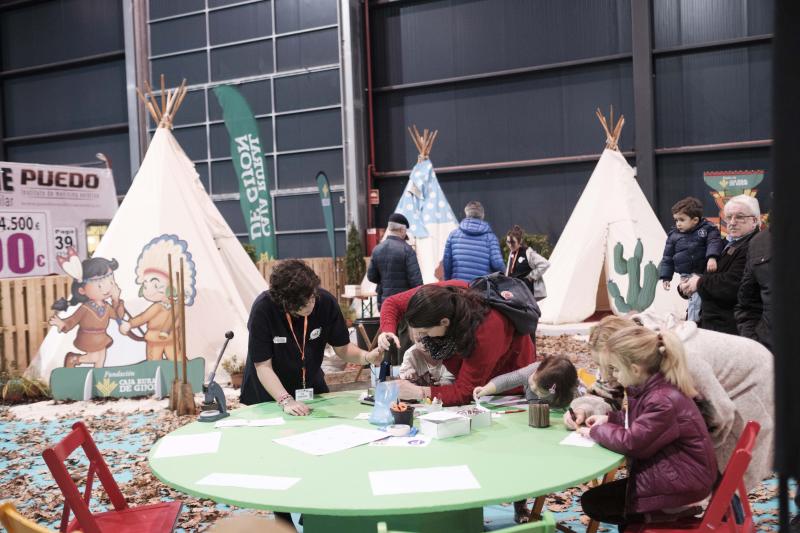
720	290
472	249
394	267
693	247
670	456
753	311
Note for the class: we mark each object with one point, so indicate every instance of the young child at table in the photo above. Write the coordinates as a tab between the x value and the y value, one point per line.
553	379
671	461
421	369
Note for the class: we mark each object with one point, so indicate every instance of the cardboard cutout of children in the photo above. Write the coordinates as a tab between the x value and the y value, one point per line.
97	292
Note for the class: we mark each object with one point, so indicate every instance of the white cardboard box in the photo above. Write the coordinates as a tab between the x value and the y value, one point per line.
478	418
443	424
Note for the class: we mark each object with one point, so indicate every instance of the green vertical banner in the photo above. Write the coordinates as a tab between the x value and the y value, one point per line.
248	161
327	209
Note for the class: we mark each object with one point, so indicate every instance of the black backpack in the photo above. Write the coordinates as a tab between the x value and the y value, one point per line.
511	297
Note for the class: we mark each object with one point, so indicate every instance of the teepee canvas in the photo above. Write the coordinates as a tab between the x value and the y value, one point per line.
607	256
424	204
120	313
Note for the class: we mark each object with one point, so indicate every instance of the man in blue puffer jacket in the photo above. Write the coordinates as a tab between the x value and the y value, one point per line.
472	249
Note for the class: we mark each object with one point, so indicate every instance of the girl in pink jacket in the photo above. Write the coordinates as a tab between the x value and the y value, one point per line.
670	456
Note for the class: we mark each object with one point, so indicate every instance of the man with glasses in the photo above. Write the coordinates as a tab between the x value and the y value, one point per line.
719	290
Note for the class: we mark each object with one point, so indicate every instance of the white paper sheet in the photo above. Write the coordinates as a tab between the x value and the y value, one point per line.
261	422
417	441
181	445
504	401
419	480
576	439
242	422
331	439
230	423
249	481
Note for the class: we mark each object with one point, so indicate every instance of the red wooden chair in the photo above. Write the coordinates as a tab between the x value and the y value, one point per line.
720	514
151	518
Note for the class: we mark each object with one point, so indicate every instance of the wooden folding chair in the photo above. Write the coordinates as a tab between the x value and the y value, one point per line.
16	523
722	513
158	517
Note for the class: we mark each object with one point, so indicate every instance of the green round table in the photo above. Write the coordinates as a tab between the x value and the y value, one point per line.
509	459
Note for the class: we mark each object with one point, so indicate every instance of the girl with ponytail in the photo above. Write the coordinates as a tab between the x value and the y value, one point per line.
663	435
458	329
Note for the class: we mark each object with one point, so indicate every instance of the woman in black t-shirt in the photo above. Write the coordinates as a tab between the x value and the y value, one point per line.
289	326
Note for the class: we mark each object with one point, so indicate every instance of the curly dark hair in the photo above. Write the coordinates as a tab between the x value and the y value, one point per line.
292	283
464	307
689	206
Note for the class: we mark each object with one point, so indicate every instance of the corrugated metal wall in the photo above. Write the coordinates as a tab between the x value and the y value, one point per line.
512	80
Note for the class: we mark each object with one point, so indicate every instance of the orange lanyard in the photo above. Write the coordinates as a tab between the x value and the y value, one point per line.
299	347
511	264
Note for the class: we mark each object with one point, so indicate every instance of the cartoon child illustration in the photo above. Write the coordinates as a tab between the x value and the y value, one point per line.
93	285
152	275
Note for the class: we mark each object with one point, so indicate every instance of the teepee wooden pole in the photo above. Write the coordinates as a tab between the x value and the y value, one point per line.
416	141
181	95
163	99
186	405
430	144
183	319
174	391
611	116
147	106
153	101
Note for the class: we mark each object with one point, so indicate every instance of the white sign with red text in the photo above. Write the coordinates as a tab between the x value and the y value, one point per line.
44	209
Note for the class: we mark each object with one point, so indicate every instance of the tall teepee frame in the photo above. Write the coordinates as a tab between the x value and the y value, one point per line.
424	141
163	112
614	131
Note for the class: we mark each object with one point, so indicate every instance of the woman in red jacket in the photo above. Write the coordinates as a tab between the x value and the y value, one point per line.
475	342
671	461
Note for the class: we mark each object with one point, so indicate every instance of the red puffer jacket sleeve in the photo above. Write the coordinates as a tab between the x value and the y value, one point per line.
497	351
394	307
648	433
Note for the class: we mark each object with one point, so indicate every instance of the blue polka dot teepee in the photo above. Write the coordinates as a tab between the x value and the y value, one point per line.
425	206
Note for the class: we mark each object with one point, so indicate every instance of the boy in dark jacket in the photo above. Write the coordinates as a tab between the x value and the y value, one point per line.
693	246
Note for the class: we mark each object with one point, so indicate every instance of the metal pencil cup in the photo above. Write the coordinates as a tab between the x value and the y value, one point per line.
538	414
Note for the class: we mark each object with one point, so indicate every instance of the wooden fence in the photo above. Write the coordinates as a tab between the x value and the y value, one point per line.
24	311
323	266
25	307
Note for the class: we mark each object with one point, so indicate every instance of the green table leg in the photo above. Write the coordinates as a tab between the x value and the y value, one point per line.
463	521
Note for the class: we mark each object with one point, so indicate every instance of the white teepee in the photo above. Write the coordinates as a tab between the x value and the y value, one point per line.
428	212
611	216
167	210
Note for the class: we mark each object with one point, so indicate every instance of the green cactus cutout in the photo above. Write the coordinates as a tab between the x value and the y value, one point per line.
639	297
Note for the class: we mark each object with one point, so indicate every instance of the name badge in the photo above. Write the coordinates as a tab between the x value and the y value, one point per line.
315	334
304	395
279	340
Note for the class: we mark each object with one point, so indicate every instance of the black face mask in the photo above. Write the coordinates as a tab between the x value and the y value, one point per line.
440	348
